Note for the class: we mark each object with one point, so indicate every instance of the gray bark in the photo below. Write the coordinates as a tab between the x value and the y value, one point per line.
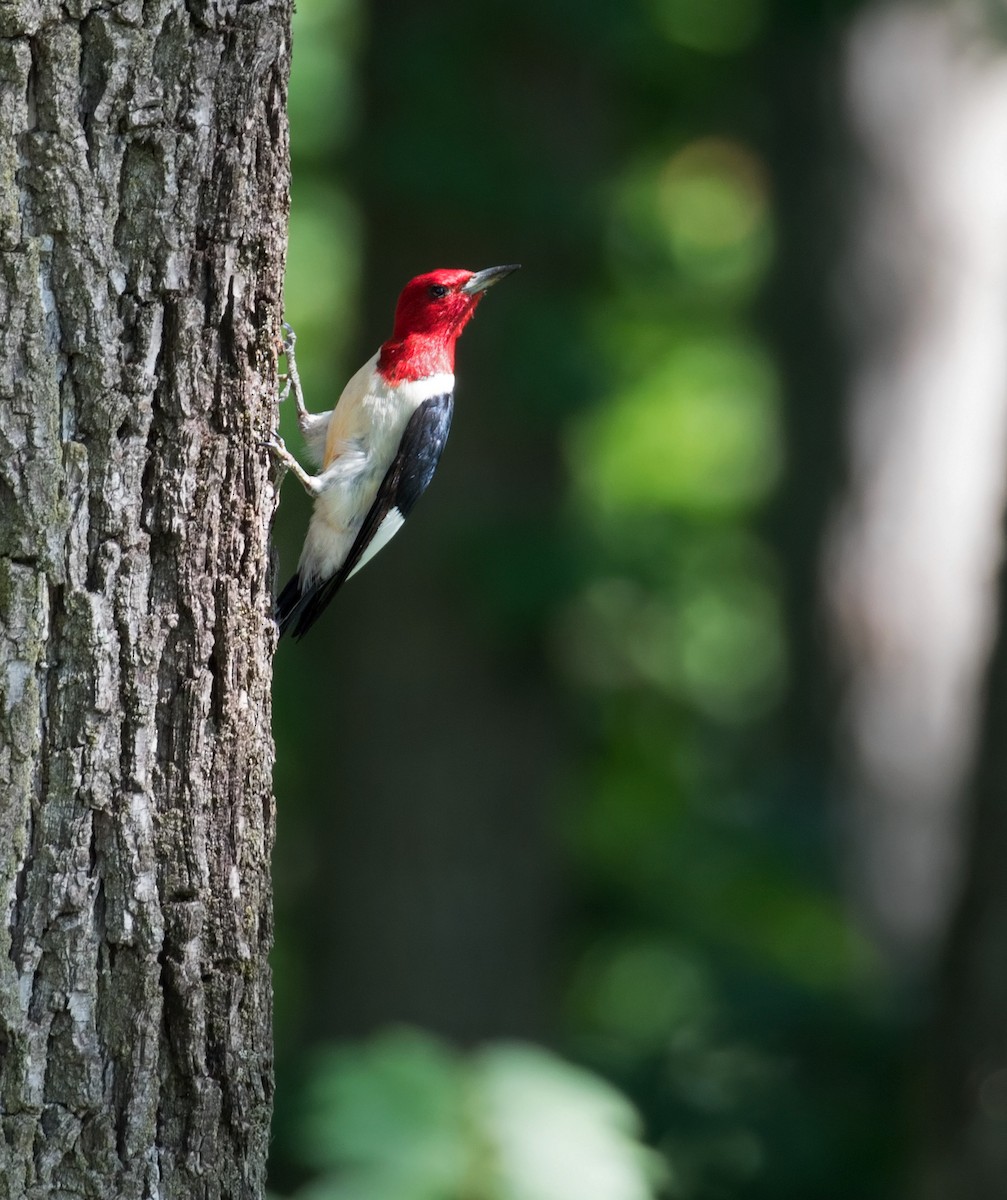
143	201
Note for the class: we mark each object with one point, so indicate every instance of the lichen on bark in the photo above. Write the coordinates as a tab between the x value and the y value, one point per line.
143	204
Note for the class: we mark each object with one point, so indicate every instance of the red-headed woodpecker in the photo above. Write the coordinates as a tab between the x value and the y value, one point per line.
379	447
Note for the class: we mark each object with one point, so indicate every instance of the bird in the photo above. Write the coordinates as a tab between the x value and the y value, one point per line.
378	449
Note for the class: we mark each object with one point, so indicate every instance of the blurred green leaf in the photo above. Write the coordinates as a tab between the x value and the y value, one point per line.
724	27
392	1113
698	216
557	1132
698	431
645	991
403	1117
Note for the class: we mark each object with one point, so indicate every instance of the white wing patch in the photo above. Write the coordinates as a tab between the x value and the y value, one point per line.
388	528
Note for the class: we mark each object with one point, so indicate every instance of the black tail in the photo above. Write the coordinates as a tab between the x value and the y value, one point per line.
287	603
297	608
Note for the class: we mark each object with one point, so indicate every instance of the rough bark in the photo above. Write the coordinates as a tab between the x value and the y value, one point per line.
143	197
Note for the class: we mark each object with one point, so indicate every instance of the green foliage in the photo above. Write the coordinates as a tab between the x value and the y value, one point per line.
603	548
404	1117
695	216
695	432
723	28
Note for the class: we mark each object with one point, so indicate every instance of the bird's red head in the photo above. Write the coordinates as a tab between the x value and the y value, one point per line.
432	311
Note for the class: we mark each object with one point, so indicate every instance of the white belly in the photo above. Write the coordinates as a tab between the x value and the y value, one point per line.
372	416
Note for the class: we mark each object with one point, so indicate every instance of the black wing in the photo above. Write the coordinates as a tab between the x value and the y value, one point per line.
405	481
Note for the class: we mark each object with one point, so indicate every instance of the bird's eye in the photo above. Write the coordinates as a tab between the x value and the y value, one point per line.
437	290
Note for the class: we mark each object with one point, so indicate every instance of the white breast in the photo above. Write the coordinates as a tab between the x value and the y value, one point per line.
364	434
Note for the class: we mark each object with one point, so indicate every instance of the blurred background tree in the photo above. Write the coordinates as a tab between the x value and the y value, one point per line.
650	740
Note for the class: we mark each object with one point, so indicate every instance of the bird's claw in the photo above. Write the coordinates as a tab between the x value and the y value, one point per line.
288	379
284	343
287	461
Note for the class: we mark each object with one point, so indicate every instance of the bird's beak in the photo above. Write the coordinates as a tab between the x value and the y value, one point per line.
481	280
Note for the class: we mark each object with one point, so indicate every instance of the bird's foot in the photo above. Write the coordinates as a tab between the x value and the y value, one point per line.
282	455
285	341
289	378
277	447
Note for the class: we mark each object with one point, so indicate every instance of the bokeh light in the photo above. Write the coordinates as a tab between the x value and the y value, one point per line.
559	862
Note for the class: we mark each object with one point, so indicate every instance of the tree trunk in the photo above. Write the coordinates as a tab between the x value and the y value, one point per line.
911	561
143	197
